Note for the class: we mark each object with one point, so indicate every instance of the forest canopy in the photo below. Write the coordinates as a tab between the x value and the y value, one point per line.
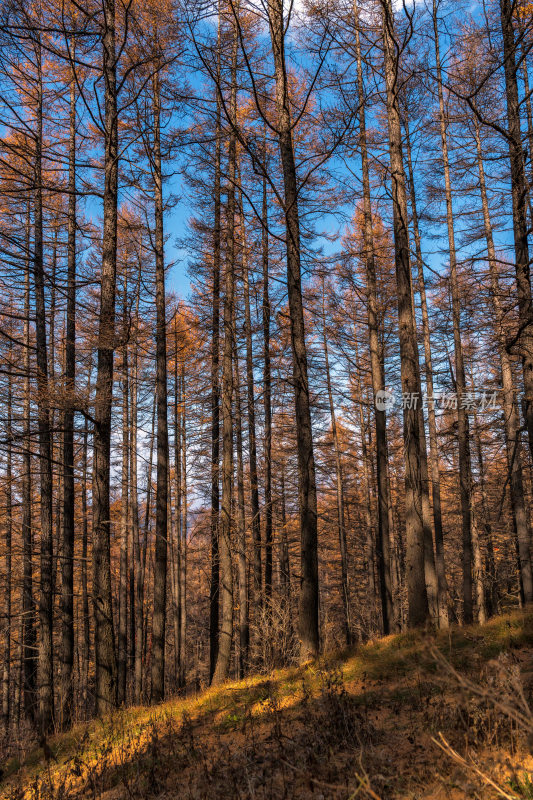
266	336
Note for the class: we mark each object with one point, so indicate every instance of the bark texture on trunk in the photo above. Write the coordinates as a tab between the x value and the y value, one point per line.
250	408
67	563
139	567
226	521
267	395
8	560
45	669
410	369
29	637
161	502
463	431
214	599
104	635
183	537
309	590
376	361
341	522
513	444
519	194
442	584
85	646
176	543
124	513
370	539
241	527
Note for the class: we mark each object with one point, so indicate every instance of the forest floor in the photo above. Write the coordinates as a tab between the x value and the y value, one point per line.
415	715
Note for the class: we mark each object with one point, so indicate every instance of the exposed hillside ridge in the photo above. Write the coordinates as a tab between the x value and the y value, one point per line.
365	721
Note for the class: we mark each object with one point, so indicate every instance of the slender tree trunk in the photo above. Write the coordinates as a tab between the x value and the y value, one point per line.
477	570
104	637
67	563
487	527
160	563
56	420
285	566
214	598
510	407
529	110
250	408
29	639
17	694
309	588
146	531
183	537
177	539
124	513
226	569
174	580
376	361
519	193
410	369
45	670
267	401
86	627
242	570
341	525
429	553
463	433
137	558
367	497
442	583
6	678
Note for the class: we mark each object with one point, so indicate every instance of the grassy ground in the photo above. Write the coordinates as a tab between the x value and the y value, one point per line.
411	716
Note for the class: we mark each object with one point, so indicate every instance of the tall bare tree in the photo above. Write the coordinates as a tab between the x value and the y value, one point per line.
104	634
308	604
410	369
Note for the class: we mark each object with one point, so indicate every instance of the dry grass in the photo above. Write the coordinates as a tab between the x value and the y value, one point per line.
409	716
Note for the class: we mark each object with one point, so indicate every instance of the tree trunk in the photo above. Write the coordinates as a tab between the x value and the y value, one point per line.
176	572
510	407
376	361
429	553
442	583
67	563
29	640
6	678
410	369
463	433
267	401
481	595
225	559
309	589
285	565
124	512
137	559
250	408
368	505
45	670
183	537
241	527
145	571
341	525
160	563
519	193
86	626
214	598
104	637
20	674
